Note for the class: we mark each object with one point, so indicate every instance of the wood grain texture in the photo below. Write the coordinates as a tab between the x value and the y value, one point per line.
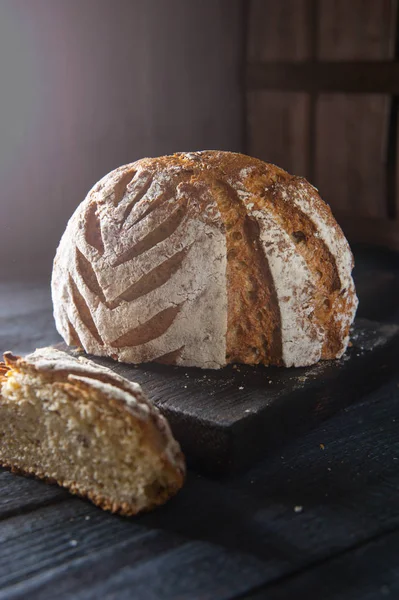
351	131
278	123
338	140
154	568
350	169
64	532
279	31
278	129
356	30
365	572
19	495
246	525
220	539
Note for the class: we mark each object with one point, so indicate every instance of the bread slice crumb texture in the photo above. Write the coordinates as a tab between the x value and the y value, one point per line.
88	430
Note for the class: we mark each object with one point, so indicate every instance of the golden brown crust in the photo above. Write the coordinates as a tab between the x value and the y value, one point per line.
253	312
3	370
256	215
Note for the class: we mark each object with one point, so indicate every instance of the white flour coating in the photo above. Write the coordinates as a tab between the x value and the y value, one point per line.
51	359
331	236
113	392
177	222
293	282
336	243
245	172
198	287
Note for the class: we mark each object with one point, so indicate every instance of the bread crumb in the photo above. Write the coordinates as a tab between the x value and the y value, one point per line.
322	446
241	387
298	509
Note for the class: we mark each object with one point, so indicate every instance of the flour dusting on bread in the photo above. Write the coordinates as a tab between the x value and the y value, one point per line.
205	258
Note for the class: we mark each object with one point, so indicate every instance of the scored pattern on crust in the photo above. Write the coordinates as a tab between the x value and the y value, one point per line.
121	185
84	311
295	205
252	257
93	229
154	237
73	338
254	323
153	328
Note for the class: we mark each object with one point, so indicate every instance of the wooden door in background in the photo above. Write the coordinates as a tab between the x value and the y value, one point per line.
322	85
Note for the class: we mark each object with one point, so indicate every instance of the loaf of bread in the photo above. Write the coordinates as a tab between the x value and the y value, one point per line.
82	426
203	259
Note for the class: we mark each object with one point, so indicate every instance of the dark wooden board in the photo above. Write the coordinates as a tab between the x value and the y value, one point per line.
217	539
307	521
227	419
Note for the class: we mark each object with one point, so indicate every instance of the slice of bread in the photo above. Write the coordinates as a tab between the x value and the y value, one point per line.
91	431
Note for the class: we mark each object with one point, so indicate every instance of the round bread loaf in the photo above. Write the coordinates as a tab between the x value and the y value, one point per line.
203	259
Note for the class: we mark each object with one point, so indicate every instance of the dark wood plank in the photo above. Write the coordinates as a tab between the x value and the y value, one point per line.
278	129
245	531
352	130
278	31
278	123
349	166
348	77
151	570
356	30
228	418
55	535
364	573
245	525
19	495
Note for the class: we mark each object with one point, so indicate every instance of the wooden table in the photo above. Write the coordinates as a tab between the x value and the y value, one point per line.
317	519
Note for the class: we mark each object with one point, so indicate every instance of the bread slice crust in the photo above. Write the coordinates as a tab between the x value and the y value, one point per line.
66	421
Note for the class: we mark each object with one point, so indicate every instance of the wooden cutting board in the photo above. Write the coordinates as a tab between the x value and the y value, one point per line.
227	419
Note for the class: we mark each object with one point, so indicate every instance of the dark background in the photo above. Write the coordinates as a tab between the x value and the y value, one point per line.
87	85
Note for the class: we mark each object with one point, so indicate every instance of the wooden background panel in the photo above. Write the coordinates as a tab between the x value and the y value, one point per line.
356	29
278	123
278	129
279	31
339	141
351	130
349	154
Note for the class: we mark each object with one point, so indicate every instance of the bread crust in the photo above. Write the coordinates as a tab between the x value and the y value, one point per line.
208	258
81	378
